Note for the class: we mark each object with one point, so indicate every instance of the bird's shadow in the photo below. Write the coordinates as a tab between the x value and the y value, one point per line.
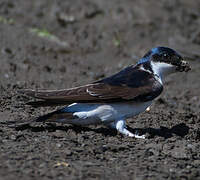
52	127
180	130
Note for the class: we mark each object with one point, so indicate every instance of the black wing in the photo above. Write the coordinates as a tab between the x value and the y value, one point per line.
132	83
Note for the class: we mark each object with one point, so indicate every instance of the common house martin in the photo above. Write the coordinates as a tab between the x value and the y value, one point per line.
110	101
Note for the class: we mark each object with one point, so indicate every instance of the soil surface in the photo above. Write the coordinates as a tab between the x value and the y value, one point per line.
61	44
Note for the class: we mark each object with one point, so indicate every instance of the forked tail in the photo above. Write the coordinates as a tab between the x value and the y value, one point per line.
56	116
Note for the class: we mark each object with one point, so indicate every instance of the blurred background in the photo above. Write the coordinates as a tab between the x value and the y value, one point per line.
54	39
54	44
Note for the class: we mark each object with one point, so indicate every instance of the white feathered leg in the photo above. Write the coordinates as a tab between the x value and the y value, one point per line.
120	126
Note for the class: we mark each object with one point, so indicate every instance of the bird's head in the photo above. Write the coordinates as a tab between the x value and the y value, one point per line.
164	61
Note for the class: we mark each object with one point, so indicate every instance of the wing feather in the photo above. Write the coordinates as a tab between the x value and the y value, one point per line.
129	84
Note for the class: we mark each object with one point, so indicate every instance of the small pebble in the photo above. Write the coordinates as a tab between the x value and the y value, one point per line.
13	137
59	145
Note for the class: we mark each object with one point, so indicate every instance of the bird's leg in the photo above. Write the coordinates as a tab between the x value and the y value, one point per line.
120	126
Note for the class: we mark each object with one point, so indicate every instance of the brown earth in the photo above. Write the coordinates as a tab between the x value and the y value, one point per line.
60	44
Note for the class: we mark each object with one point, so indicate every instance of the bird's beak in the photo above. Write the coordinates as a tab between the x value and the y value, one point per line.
184	66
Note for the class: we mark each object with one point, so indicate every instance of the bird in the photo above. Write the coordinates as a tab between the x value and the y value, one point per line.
111	100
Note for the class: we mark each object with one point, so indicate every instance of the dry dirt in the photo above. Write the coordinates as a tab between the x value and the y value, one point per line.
60	44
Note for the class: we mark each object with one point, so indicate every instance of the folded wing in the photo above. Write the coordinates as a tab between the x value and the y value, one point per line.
129	84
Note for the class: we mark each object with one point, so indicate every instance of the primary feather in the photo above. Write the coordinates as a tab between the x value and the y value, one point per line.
131	83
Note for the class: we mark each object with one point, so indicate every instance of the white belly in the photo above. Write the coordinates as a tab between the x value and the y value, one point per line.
98	113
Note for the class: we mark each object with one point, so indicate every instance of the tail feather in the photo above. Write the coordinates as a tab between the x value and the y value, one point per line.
27	92
56	116
46	117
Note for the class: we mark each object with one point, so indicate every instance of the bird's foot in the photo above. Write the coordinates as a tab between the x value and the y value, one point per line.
120	126
137	136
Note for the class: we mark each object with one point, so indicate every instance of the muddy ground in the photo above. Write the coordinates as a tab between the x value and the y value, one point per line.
59	44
